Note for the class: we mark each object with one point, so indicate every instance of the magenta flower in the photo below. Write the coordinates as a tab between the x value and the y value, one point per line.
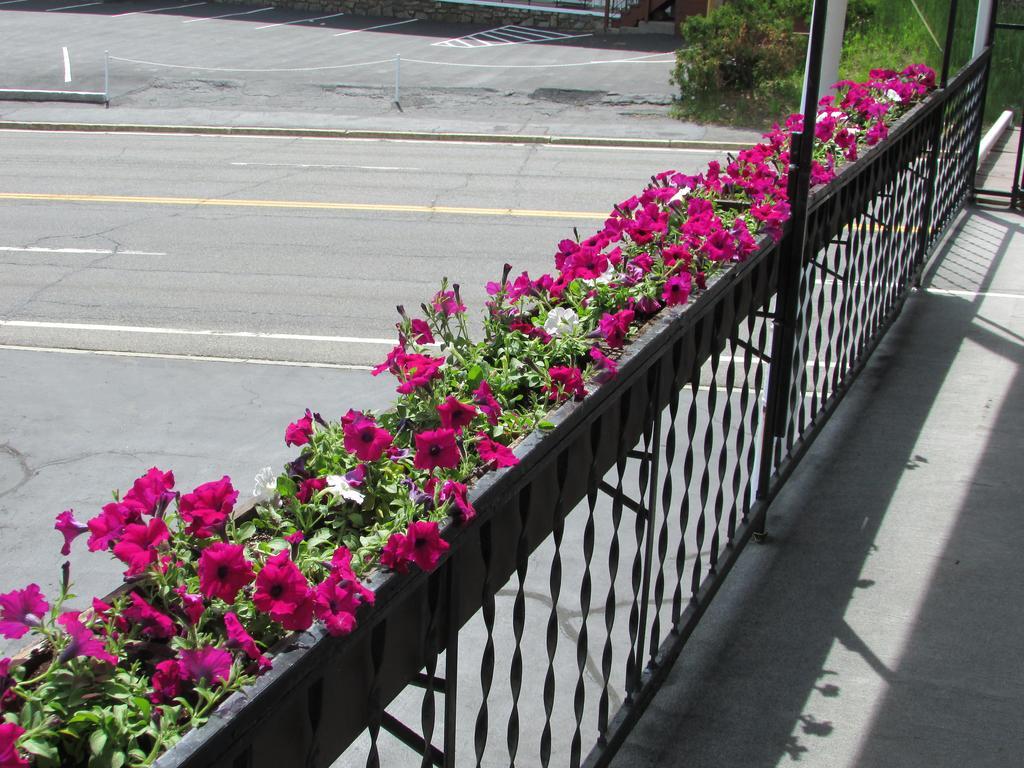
308	488
494	454
566	382
421	332
719	246
150	621
70	529
484	399
107	527
10	757
457	493
205	665
242	640
455	415
138	546
436	449
206	509
421	545
191	604
447	303
677	289
337	601
299	432
223	571
341	564
166	682
365	439
6	681
614	327
418	371
20	610
283	593
153	491
608	368
83	641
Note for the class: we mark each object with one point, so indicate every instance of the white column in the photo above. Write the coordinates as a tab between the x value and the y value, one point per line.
981	26
832	49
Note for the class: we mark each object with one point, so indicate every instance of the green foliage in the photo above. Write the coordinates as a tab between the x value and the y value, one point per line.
742	62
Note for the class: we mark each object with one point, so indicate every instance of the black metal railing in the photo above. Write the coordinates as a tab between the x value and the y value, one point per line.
558	611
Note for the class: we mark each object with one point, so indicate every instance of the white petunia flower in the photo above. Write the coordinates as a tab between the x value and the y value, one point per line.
340	487
682	194
560	321
893	96
266	485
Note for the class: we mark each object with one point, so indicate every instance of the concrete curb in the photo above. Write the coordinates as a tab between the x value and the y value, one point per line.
86	97
488	138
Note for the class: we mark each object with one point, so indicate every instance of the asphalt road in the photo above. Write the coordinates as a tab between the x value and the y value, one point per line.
291	250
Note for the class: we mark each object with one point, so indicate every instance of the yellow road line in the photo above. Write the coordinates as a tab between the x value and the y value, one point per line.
304	204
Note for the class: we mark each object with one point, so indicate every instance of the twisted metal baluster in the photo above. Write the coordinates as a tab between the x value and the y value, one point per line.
705	476
555	586
487	659
375	707
686	501
723	459
518	624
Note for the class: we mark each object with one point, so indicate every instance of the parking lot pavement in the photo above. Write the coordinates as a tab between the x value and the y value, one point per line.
195	62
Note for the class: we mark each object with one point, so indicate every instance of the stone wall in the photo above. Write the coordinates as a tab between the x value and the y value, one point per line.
495	16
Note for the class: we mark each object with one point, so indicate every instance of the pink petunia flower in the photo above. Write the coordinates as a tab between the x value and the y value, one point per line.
365	439
337	601
205	665
566	382
206	509
494	454
608	368
457	493
614	327
6	682
454	414
83	641
677	289
20	610
421	332
107	527
436	449
150	621
242	640
299	432
10	757
191	604
224	571
70	528
138	546
283	593
166	682
447	303
421	545
341	564
153	491
484	399
308	488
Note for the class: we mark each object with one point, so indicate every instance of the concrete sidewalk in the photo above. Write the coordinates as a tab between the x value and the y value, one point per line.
880	625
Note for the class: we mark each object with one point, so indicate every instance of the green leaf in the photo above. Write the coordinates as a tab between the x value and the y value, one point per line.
39	748
286	486
97	741
117	760
245	532
545	425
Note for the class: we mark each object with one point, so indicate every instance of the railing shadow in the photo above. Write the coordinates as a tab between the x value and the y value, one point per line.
786	663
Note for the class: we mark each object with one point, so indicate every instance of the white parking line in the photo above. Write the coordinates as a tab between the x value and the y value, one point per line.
67	64
228	15
12	2
510	34
69	7
158	10
300	21
84	251
191	358
187	332
379	26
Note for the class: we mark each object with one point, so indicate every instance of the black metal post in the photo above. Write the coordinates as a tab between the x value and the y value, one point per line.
1017	190
451	670
784	324
948	50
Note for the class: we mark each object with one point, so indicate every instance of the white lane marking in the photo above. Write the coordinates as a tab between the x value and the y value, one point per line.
324	165
67	64
12	2
974	294
192	358
228	15
379	26
87	251
187	332
69	7
158	10
300	21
